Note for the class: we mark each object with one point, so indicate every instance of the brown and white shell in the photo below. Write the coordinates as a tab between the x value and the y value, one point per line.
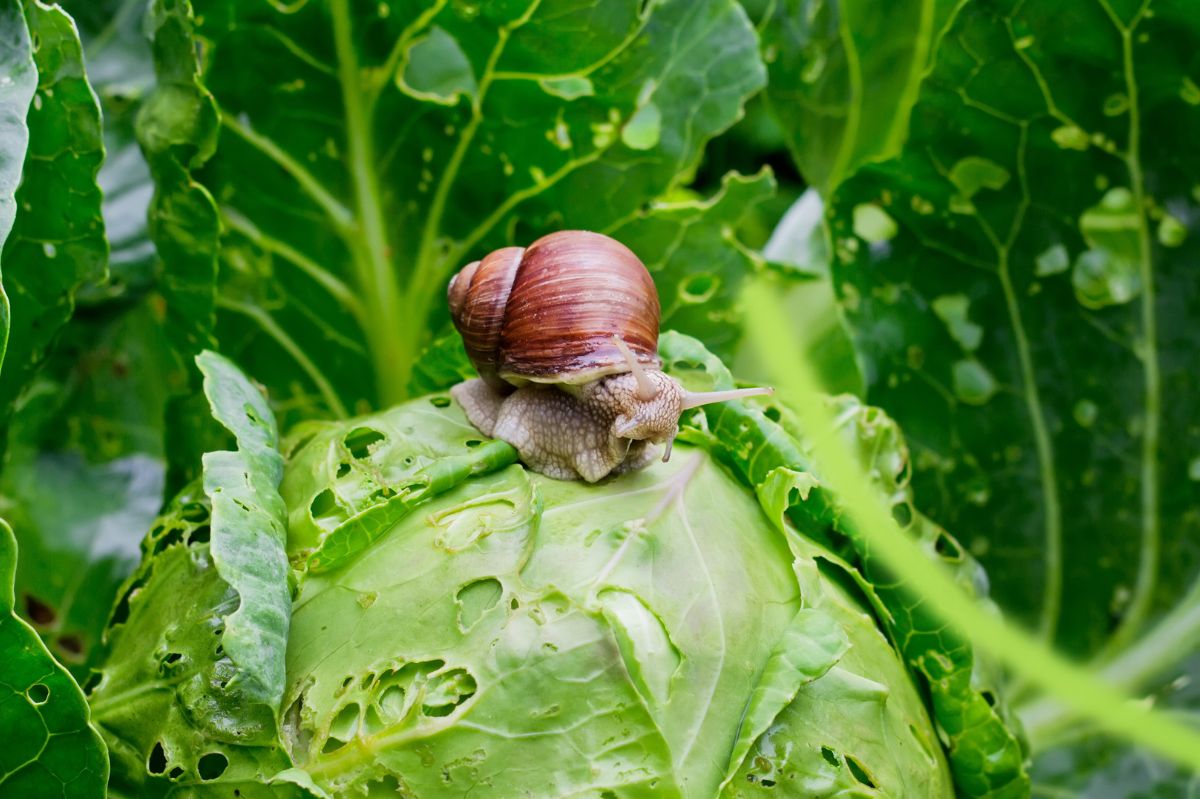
547	313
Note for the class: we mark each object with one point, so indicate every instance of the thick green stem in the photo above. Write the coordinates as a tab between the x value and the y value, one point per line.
392	345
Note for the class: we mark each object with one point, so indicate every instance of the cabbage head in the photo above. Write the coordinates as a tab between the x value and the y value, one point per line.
458	626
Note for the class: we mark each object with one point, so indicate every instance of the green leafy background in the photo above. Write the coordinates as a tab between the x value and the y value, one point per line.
980	213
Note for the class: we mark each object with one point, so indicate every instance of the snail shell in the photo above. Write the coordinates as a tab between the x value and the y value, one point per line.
548	313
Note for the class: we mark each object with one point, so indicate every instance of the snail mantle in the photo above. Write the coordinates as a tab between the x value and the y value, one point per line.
564	335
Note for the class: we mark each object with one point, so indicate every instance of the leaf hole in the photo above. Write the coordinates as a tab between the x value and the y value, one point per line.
988	697
698	288
448	692
38	693
474	442
175	773
362	441
903	514
947	547
859	772
440	402
345	723
169	539
39	612
156	763
323	504
212	765
120	613
195	512
72	646
830	757
343	469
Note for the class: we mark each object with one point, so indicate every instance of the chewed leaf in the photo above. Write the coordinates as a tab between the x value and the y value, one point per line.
171	701
810	646
356	484
249	524
47	746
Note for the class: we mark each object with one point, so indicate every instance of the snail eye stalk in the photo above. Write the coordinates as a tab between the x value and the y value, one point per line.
646	388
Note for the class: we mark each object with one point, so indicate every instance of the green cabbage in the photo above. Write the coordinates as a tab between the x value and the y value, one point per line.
461	626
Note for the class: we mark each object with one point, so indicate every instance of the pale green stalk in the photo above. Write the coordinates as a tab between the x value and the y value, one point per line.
1075	687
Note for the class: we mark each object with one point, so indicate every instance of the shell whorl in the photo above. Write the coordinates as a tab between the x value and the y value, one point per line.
478	295
548	313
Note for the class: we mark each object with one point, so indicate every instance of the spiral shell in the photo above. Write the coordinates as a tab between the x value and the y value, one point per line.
547	313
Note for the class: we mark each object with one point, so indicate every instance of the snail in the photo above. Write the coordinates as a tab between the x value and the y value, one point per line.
564	335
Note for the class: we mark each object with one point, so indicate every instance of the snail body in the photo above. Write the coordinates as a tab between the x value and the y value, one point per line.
564	335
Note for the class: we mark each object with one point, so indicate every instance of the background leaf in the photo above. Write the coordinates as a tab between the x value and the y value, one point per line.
410	172
844	76
47	747
1021	287
83	473
57	241
1084	765
121	73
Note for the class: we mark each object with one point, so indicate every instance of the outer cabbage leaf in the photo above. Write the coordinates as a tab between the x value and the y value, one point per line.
15	96
347	486
189	694
169	701
982	740
56	242
47	746
857	744
249	528
409	138
1020	281
844	76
